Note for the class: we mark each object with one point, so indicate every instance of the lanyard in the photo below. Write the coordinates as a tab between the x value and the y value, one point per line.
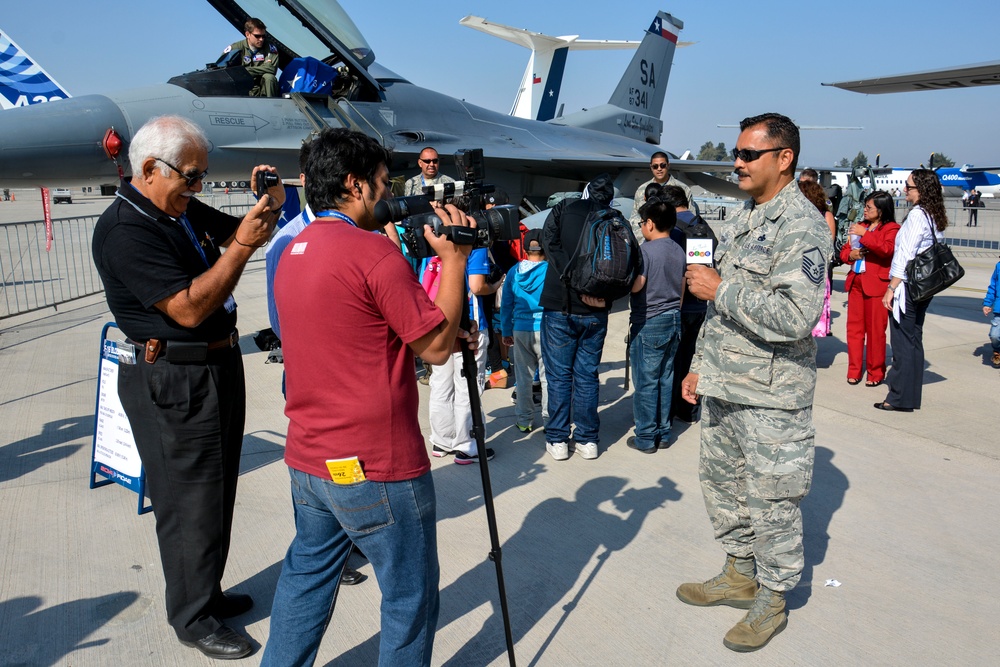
338	215
186	224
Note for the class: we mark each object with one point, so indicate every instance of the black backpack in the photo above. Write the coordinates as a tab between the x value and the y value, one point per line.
698	229
607	259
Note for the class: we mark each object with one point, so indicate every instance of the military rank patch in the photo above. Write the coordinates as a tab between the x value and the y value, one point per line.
812	265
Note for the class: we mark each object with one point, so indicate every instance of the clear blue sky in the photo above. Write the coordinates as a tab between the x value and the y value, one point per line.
748	58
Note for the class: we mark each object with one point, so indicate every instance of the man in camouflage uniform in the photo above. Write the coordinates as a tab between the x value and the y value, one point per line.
258	55
429	174
756	367
659	164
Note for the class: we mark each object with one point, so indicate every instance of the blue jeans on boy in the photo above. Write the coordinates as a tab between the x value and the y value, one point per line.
394	524
995	332
652	350
571	351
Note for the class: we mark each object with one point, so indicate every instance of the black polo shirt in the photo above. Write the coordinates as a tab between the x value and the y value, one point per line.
143	256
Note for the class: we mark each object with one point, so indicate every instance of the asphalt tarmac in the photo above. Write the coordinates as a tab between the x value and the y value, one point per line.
900	526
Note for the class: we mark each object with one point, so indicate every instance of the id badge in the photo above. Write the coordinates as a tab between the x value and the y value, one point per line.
126	354
230	304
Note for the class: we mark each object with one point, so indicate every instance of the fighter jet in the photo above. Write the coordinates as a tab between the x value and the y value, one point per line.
78	140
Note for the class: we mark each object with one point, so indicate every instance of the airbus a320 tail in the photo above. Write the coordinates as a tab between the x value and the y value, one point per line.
23	82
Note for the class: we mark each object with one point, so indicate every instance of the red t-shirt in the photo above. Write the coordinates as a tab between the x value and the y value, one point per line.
349	305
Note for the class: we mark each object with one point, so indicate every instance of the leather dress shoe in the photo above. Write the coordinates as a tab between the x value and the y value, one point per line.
232	604
351	577
223	644
890	408
631	443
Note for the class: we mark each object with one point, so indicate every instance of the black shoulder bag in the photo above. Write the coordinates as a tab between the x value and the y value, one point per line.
932	270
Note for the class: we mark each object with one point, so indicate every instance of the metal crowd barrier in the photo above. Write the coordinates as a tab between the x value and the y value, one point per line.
34	279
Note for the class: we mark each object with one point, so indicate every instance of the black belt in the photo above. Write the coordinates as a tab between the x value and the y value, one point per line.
182	351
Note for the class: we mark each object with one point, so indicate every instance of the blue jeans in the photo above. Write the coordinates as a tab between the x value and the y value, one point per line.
995	332
394	524
571	351
652	349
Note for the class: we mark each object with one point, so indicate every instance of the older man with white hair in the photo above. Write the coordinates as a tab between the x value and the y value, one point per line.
180	375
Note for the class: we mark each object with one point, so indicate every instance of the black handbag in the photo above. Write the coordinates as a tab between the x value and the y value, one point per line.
932	270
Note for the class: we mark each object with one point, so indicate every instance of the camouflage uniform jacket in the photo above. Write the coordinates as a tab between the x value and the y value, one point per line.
640	198
756	346
415	185
257	63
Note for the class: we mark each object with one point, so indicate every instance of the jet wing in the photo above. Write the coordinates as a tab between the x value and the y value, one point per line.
968	76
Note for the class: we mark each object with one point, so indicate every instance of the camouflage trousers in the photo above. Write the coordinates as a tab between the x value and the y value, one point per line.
755	467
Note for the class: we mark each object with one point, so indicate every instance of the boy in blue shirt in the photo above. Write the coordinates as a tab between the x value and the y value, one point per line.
520	325
991	305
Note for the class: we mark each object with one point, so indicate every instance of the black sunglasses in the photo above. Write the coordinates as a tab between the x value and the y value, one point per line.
749	155
190	179
433	160
659	165
256	36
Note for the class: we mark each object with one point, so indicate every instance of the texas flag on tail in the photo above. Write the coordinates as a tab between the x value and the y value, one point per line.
660	28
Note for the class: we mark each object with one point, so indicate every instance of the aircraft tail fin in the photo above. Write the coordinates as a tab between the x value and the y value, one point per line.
635	107
644	84
22	81
538	95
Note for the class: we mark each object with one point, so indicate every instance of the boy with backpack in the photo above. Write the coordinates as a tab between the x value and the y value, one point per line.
575	320
689	226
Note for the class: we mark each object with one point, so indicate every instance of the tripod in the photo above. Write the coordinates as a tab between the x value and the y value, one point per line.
469	370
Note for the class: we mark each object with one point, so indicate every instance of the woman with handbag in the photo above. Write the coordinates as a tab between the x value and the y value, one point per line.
922	228
869	253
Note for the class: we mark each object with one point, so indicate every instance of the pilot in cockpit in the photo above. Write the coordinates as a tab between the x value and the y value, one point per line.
259	56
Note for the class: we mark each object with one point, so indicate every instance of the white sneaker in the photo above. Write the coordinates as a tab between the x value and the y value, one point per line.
587	450
558	450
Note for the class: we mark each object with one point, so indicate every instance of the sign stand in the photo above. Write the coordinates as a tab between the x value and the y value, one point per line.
114	455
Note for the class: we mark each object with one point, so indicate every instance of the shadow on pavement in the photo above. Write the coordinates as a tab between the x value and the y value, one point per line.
45	637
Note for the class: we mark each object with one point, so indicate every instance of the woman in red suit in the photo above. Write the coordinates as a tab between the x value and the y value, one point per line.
870	254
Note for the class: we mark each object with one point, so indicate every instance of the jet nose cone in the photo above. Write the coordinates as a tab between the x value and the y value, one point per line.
58	141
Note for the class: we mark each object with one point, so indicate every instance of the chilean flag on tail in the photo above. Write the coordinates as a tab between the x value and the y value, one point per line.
659	28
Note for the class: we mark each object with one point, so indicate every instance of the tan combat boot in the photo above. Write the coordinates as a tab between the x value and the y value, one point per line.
765	619
729	588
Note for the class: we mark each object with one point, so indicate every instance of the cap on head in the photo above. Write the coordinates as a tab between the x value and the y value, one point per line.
533	241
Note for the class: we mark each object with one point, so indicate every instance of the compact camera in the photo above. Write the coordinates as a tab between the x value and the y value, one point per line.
264	181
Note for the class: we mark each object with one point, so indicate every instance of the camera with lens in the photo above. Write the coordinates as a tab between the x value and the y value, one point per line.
264	181
500	223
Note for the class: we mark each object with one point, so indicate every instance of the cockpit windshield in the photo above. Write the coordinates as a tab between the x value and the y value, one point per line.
303	26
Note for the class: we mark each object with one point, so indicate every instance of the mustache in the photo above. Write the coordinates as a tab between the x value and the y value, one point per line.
740	172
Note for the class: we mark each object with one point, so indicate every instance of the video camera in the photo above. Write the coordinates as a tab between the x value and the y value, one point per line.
500	223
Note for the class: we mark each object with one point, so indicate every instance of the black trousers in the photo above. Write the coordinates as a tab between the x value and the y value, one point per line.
906	376
690	326
187	420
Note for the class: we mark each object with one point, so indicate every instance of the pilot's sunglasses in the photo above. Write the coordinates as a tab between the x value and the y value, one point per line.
749	155
258	36
431	161
190	179
659	165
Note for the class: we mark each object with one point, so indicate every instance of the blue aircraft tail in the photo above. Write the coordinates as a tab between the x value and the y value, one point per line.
22	81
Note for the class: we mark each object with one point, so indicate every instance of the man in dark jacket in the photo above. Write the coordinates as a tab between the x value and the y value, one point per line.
573	330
